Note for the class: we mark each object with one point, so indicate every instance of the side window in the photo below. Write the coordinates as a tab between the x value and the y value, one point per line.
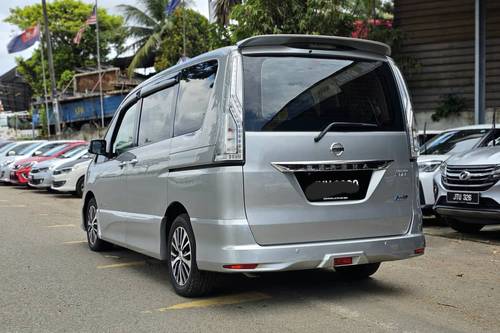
125	136
195	89
156	116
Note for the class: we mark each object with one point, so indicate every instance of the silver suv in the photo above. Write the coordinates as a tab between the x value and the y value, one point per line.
467	189
284	152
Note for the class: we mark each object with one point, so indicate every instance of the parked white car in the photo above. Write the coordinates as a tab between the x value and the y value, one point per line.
15	152
438	150
70	177
40	175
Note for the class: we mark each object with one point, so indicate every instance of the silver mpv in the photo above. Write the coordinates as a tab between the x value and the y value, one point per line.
284	152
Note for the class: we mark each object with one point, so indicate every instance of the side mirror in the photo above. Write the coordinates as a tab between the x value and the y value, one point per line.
98	147
11	153
37	153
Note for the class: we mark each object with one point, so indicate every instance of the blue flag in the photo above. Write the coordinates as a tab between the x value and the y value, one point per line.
26	39
171	6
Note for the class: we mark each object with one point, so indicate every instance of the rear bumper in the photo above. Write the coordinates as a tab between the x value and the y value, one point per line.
226	242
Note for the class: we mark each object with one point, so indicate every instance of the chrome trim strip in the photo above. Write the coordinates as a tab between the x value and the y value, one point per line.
321	166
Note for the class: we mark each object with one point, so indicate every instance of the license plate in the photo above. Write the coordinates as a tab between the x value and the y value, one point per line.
461	197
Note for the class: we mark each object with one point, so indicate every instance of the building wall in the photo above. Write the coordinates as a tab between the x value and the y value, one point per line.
440	37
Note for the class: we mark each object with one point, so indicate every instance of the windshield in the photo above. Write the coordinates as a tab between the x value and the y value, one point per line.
54	151
307	94
453	142
25	148
74	152
7	147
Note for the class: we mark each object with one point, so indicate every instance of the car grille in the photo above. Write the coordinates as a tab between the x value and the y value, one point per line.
469	178
36	181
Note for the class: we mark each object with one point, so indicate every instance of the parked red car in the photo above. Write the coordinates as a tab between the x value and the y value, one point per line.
20	171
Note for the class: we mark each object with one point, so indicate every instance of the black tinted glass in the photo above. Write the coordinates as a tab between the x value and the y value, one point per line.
307	94
195	89
453	142
156	116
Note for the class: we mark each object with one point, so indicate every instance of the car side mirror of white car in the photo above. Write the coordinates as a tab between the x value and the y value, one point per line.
11	153
37	153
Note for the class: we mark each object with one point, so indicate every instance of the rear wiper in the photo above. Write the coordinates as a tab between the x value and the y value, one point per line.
341	124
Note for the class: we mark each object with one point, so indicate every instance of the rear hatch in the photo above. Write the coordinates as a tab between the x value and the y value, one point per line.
354	182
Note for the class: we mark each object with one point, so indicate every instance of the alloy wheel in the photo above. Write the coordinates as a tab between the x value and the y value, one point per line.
92	224
180	256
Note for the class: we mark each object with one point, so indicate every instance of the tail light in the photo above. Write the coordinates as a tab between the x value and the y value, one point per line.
408	109
230	142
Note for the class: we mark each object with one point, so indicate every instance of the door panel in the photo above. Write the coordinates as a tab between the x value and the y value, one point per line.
278	210
147	196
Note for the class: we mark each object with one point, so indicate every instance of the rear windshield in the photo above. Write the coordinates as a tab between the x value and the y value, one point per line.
307	94
453	142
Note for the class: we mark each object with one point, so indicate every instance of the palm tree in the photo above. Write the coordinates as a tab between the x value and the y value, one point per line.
223	10
146	25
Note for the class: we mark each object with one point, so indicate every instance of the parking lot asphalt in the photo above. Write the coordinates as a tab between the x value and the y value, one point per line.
51	282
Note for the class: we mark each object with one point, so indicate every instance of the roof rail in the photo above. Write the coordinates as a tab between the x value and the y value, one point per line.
317	42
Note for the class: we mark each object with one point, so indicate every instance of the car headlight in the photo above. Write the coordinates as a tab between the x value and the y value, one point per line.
496	172
65	170
429	166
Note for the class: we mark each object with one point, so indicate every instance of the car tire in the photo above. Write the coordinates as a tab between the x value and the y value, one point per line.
95	243
466	228
80	187
186	278
357	272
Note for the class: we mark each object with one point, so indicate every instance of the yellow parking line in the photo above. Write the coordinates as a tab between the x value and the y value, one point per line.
125	264
60	226
75	242
221	300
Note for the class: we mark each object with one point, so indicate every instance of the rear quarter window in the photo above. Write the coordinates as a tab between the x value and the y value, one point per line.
195	89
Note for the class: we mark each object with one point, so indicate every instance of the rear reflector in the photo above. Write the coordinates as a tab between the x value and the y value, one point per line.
420	250
342	261
241	266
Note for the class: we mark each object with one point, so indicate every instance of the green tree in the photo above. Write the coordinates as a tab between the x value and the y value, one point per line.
146	25
65	19
223	10
199	38
326	17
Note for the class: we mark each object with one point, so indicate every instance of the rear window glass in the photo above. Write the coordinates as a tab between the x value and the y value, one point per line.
453	142
307	94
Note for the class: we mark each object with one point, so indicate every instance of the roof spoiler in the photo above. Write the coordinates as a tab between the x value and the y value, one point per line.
317	42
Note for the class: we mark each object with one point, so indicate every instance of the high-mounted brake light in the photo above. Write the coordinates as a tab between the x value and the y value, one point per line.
230	142
241	266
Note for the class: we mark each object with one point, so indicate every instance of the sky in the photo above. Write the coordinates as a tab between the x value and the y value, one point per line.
7	31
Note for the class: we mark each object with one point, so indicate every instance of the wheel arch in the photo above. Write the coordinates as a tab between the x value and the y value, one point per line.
89	195
174	209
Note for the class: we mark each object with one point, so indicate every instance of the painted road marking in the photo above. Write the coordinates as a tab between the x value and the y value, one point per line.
221	300
125	264
14	206
75	242
60	226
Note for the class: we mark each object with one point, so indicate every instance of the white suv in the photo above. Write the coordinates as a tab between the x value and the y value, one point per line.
439	149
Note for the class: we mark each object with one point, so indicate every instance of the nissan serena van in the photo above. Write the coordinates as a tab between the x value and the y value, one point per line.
284	152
